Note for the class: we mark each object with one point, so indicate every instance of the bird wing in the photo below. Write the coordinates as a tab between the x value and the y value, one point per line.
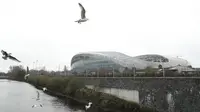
13	58
82	11
4	57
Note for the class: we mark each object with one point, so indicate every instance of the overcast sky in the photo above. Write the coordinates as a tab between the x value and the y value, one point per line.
45	30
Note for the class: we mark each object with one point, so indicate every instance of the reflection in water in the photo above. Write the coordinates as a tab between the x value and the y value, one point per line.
148	100
21	96
170	101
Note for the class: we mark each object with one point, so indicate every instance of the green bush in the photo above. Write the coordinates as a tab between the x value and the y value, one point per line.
147	109
56	84
73	85
42	80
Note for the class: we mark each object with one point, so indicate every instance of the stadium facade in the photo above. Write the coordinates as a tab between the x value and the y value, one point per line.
92	61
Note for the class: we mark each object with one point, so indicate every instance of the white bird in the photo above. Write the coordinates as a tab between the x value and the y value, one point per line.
44	88
83	17
34	106
26	76
88	106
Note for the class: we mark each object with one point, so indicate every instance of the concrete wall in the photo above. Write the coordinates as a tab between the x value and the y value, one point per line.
183	94
130	95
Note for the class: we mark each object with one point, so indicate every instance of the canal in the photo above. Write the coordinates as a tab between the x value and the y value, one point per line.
20	97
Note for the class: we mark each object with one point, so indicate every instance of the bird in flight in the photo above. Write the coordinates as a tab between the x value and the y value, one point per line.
88	106
8	55
44	88
26	76
83	17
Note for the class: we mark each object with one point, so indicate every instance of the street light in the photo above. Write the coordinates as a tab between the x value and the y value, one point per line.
134	72
163	68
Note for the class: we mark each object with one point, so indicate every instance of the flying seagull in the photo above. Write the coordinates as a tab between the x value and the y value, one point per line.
8	55
13	58
44	88
88	106
26	76
5	54
34	106
83	17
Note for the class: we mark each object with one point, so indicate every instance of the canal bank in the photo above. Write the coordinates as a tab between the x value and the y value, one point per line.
70	87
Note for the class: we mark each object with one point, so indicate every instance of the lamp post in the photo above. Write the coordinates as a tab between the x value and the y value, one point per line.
162	68
163	72
134	70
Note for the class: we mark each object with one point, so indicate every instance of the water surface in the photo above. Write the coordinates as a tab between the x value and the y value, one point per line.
19	97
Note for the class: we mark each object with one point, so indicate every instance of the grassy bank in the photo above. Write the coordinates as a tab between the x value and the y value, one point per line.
70	87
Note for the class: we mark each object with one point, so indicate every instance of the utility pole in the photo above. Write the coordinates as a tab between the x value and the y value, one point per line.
163	68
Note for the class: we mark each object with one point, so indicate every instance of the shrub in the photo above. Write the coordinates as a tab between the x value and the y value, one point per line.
73	85
147	109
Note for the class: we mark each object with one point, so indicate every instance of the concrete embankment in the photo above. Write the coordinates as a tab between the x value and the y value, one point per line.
70	87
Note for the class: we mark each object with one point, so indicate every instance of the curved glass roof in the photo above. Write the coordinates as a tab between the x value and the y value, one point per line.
141	61
153	58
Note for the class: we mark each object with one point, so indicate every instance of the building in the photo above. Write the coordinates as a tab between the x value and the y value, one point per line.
118	62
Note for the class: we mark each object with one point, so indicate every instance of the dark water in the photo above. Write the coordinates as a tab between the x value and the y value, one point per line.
19	97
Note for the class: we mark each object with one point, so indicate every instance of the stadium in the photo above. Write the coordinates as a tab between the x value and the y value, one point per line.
93	61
